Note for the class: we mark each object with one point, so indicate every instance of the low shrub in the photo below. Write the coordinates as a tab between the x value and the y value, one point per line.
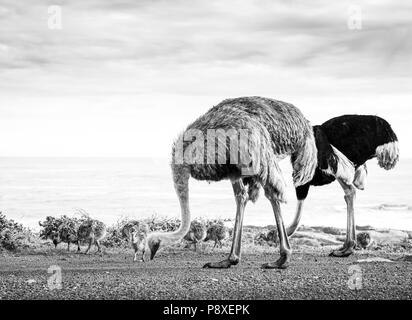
13	235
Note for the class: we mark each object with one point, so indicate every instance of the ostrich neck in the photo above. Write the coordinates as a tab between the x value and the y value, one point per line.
179	233
184	227
181	182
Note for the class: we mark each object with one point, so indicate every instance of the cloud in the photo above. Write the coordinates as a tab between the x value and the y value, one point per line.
297	51
150	33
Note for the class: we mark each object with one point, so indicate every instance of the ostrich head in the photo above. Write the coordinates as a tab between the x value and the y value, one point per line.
152	245
156	241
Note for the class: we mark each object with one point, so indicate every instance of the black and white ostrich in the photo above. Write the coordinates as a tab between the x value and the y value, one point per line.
344	145
277	130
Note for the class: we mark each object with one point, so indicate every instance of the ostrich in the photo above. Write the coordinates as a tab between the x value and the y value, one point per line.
136	232
63	229
138	237
216	232
197	233
127	229
274	130
344	145
92	231
66	233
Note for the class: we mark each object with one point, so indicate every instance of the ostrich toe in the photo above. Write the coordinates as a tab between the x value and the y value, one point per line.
281	263
345	251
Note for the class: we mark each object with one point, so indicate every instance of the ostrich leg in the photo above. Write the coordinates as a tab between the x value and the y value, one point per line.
98	246
285	250
90	245
136	251
241	197
350	242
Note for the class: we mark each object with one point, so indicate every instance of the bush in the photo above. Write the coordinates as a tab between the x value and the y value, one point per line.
163	224
50	227
13	235
115	236
67	229
63	227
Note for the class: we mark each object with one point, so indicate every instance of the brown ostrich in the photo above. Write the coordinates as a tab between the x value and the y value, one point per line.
197	233
262	131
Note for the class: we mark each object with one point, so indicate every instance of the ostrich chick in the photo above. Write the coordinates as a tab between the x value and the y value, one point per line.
197	233
91	231
216	232
138	233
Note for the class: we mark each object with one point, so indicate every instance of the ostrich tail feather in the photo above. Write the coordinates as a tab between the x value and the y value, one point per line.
388	155
345	169
304	162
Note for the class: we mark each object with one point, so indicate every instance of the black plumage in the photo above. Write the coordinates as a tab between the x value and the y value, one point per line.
344	144
356	136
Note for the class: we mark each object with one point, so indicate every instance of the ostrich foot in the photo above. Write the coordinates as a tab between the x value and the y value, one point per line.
345	251
281	263
224	264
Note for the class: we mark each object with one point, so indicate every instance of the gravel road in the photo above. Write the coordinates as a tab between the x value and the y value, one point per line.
179	275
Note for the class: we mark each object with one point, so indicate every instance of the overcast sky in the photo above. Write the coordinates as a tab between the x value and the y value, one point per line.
123	78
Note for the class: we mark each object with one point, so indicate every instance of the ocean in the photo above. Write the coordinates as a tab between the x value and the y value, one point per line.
110	189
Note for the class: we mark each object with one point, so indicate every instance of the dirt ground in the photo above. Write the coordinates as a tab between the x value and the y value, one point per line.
179	275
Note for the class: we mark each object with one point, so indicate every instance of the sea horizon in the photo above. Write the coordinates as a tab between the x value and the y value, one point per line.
112	188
